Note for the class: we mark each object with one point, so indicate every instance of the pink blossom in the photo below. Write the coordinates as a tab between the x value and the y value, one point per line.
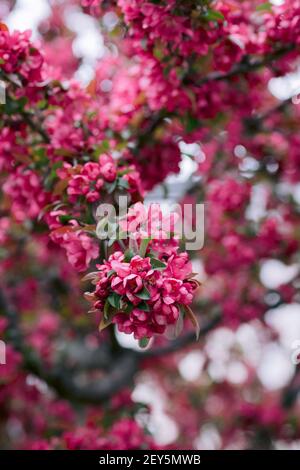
80	248
154	296
28	198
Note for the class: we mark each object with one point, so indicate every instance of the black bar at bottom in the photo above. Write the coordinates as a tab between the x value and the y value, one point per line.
137	459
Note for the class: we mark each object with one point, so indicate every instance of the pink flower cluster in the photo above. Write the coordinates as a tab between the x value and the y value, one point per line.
117	86
284	27
125	434
28	197
70	125
269	413
10	146
5	223
59	54
90	178
150	222
93	6
158	23
80	248
146	294
229	194
83	185
17	55
160	159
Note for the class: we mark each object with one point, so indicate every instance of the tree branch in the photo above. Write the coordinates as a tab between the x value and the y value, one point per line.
27	116
66	380
245	66
292	391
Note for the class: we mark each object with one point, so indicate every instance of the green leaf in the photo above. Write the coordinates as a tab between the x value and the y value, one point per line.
122	183
143	246
106	310
110	273
105	322
266	6
129	308
103	147
64	219
143	342
167	70
192	123
157	264
194	320
114	300
15	106
214	15
158	53
143	306
42	104
128	255
40	160
144	294
21	102
110	187
108	315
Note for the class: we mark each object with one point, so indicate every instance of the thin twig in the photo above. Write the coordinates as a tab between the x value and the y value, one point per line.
35	126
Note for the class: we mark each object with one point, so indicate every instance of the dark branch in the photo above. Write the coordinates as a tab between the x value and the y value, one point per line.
26	115
28	118
66	382
292	391
245	66
66	379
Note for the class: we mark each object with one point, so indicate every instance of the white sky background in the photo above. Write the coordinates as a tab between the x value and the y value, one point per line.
27	14
273	359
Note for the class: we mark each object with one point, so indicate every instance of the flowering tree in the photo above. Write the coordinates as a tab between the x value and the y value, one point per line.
177	75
